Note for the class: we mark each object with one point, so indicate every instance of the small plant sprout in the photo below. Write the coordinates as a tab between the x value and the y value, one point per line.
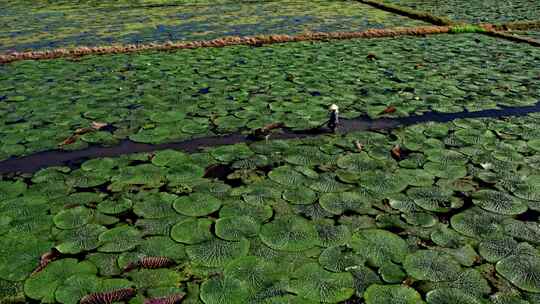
333	120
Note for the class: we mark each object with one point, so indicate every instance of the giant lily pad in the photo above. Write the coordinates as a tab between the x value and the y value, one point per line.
43	285
337	203
434	199
19	255
290	233
119	239
451	296
477	223
73	218
522	268
379	246
192	231
155	205
255	272
80	239
216	252
314	283
494	250
197	204
235	228
499	202
382	182
224	291
287	176
340	258
232	152
386	294
431	266
331	234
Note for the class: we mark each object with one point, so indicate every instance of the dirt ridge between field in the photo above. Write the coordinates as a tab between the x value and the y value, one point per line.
39	160
220	42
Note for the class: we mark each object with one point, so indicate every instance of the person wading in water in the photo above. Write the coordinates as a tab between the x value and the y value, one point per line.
333	121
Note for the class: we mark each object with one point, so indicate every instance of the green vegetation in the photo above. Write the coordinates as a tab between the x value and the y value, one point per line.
44	25
466	29
164	97
353	236
485	11
430	213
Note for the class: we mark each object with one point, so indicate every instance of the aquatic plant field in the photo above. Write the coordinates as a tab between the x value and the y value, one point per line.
208	175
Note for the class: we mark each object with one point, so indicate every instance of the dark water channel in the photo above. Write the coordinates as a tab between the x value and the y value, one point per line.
34	162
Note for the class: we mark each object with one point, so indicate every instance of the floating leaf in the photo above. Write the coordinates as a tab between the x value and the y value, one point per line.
152	278
383	183
259	212
300	196
197	204
527	231
43	285
379	246
331	234
498	202
469	281
339	258
20	254
231	153
451	296
494	250
314	283
160	226
522	268
387	294
287	176
338	203
359	162
106	263
235	228
192	231
392	273
363	278
11	189
328	183
114	206
76	287
80	239
434	199
255	272
224	291
431	265
72	218
477	223
119	239
446	170
155	205
290	233
216	252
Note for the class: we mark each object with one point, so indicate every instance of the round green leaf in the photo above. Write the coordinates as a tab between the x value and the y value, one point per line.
197	204
290	233
216	252
389	294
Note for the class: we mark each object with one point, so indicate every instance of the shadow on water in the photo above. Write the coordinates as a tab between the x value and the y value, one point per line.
44	159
